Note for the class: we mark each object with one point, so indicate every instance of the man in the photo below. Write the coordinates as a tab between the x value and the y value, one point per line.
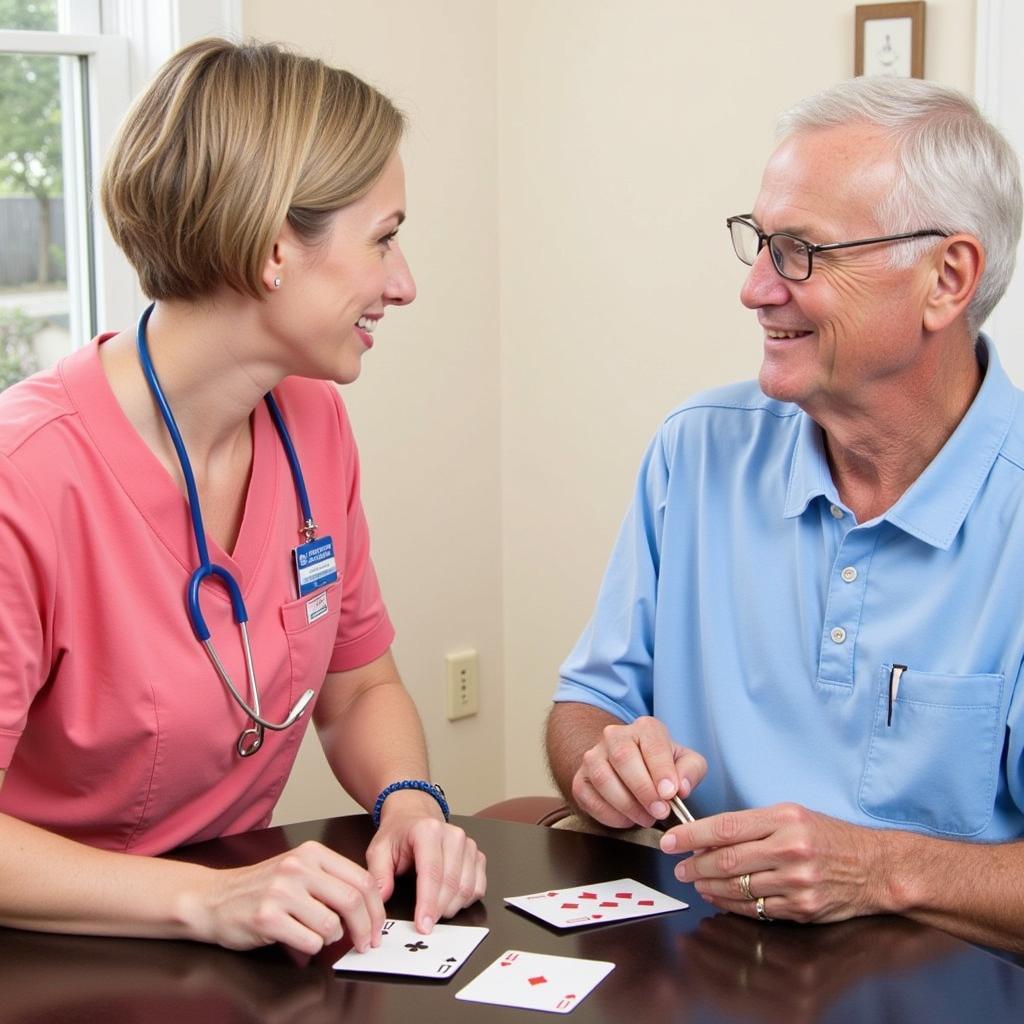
812	625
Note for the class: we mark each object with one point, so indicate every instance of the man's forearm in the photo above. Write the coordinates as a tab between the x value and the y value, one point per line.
572	729
974	890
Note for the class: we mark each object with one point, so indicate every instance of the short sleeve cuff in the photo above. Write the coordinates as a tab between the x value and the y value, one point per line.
362	650
572	692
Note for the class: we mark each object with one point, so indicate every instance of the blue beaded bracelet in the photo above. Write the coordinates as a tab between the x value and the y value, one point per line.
426	787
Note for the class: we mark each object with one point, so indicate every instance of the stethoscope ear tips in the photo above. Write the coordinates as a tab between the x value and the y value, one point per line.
300	705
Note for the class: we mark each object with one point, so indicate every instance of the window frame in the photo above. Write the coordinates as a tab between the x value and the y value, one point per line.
120	44
999	89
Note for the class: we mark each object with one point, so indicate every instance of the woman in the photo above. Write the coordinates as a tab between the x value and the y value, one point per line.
258	195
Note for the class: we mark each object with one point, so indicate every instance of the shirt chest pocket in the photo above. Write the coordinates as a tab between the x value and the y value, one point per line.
311	627
936	766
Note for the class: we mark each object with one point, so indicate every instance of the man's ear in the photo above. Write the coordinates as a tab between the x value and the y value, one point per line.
958	263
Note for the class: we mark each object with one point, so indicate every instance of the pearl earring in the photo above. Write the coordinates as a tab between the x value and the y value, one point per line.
277	282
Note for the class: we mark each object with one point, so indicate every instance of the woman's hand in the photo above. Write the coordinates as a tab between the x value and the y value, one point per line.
306	898
451	873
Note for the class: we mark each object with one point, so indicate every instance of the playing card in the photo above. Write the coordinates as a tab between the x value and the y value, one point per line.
596	904
403	950
535	981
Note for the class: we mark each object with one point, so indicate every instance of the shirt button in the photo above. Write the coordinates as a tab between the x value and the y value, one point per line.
838	635
849	574
837	512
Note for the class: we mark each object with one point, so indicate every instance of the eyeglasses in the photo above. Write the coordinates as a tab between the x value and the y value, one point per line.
793	257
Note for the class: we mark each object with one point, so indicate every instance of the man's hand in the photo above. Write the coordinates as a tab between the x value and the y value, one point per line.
451	872
807	866
628	776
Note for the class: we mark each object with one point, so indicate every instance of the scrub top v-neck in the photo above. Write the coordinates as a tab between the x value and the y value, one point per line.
114	728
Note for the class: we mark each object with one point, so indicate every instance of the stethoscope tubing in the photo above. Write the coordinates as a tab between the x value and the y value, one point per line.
251	739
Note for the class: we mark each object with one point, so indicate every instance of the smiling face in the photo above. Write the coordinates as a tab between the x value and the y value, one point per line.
333	294
843	336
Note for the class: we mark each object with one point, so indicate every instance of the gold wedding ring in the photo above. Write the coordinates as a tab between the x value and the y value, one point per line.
745	887
759	907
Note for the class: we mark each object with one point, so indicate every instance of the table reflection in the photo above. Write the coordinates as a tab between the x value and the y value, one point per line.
697	965
731	967
46	979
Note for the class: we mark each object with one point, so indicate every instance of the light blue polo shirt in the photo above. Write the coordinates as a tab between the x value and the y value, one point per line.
745	608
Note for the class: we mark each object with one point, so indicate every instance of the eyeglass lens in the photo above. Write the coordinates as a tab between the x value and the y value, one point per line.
789	254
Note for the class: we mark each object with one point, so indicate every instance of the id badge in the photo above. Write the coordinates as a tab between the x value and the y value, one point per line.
315	566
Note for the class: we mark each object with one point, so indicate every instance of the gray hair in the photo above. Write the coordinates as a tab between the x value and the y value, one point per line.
955	171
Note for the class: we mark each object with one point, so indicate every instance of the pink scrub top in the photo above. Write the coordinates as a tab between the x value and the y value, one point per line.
115	730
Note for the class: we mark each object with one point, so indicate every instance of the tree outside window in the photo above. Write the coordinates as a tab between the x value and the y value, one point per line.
32	262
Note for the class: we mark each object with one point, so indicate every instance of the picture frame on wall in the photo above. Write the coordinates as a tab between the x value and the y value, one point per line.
889	40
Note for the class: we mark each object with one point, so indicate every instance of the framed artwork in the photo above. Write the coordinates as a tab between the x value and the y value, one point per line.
890	40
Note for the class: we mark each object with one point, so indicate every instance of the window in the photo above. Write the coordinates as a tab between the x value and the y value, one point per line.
61	95
68	70
35	303
39	15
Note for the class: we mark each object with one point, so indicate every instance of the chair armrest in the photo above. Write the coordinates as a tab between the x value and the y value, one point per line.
532	810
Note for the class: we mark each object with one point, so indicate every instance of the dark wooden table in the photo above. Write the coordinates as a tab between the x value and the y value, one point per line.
693	966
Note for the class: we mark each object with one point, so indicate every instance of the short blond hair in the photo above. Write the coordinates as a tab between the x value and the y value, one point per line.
227	142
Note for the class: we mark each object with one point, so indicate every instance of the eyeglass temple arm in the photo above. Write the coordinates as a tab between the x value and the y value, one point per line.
814	247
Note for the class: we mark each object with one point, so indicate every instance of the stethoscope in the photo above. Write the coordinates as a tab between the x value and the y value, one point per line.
251	739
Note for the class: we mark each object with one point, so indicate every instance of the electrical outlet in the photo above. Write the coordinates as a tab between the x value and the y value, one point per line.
461	698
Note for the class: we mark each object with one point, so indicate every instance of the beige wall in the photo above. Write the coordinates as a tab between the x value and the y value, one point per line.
571	165
626	139
426	407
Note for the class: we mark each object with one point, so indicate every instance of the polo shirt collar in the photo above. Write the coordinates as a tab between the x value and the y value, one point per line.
934	506
809	475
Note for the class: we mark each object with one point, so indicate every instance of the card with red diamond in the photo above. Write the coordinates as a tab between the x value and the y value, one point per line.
536	981
598	903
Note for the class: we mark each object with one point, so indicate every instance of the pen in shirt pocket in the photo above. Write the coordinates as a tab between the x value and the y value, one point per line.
895	674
